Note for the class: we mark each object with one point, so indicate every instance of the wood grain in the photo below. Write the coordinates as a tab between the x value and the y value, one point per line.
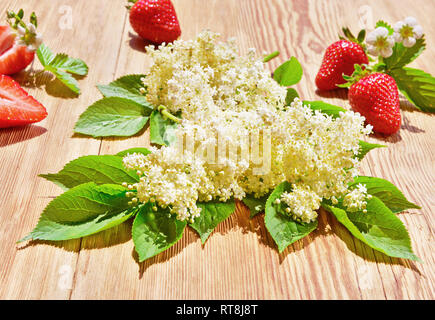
240	260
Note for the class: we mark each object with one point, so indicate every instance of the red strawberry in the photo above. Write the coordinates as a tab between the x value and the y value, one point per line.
17	108
14	56
376	97
340	58
155	20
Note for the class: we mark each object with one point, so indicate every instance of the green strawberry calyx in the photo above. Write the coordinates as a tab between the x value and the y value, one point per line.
360	71
358	39
130	4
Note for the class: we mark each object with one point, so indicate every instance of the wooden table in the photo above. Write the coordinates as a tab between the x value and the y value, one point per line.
240	260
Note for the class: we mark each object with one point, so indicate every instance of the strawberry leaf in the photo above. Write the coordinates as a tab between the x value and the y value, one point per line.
384	24
417	86
62	66
402	56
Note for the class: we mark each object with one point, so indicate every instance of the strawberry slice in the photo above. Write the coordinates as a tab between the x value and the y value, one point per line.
15	59
17	107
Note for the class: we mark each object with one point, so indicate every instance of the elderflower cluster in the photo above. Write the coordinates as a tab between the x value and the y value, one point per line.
237	136
356	200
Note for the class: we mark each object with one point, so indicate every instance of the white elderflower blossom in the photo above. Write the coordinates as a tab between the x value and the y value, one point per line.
237	136
407	31
356	200
379	42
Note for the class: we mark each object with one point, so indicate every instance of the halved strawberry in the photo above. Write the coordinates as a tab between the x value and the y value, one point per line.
7	38
17	107
18	43
15	59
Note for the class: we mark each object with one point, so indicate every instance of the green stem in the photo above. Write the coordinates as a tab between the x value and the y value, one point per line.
18	19
271	56
162	109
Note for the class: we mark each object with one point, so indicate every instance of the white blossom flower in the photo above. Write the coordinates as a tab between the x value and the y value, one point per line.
356	200
408	31
379	42
224	96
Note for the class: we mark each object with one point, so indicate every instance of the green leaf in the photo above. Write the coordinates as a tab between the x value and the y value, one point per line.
154	232
291	95
112	116
162	131
283	229
361	36
387	192
255	205
66	64
384	24
379	228
402	55
417	86
105	169
212	213
81	211
323	107
66	79
365	147
126	87
44	54
144	151
61	66
289	73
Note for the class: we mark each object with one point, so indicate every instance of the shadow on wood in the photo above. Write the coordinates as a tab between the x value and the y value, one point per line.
9	136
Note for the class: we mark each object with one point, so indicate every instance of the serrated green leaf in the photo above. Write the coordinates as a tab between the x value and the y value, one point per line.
104	169
379	228
129	87
154	232
384	24
283	229
417	86
289	73
144	151
326	108
255	205
387	192
162	131
365	147
402	55
212	213
44	54
291	95
66	64
61	65
112	116
81	211
66	79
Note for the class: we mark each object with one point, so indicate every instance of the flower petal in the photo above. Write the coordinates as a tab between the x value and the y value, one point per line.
409	42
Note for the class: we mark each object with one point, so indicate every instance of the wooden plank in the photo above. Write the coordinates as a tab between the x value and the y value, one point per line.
239	261
43	270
